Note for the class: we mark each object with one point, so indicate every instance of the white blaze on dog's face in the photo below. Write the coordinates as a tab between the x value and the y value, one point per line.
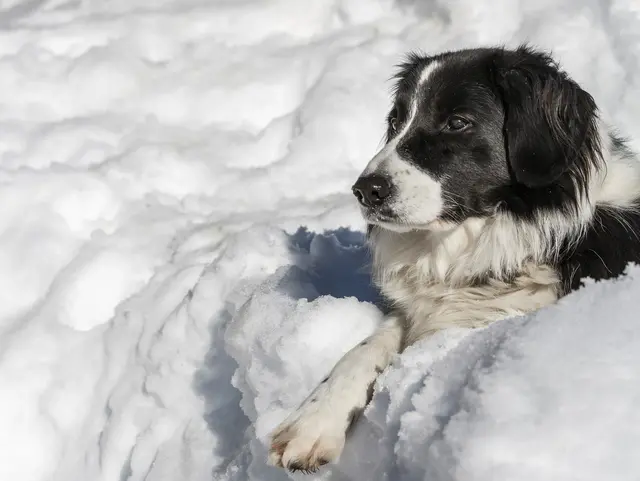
415	195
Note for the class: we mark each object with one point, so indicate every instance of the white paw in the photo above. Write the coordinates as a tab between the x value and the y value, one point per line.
312	437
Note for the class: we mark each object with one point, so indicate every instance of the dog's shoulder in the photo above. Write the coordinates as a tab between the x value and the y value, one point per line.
611	240
609	244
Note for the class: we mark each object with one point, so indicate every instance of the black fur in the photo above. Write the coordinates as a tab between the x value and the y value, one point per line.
547	117
610	243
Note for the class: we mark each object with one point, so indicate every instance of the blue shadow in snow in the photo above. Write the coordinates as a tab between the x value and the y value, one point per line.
336	262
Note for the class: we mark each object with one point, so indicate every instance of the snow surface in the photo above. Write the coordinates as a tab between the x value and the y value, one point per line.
181	259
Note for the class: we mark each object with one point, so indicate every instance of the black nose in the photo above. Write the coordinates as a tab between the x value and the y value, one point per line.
371	190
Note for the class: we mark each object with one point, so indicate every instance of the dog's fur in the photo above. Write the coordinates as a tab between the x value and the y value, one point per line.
499	189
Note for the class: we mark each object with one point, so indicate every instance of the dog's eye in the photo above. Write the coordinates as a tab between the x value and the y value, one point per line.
457	123
393	123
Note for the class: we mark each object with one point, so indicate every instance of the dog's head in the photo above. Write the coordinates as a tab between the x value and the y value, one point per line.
474	131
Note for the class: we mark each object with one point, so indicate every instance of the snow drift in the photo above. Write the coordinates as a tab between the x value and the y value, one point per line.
181	259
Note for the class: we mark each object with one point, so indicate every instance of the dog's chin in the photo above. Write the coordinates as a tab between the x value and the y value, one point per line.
398	224
396	227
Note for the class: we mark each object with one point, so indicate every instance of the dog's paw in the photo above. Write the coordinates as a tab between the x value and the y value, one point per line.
307	442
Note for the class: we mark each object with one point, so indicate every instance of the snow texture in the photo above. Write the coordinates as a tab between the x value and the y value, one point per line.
181	260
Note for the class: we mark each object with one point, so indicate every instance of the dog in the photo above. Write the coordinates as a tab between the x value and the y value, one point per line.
499	189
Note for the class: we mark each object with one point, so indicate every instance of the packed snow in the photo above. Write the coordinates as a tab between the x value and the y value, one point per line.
181	259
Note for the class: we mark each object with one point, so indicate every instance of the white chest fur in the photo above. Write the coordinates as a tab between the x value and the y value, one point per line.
438	279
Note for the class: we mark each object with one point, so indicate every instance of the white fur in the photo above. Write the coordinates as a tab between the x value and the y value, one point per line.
430	275
619	183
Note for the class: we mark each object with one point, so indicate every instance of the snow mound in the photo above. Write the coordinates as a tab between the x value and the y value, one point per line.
520	401
181	259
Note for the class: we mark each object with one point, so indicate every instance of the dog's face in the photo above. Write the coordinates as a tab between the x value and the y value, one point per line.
471	131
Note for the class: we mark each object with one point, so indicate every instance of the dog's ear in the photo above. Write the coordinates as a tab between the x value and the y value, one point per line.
547	117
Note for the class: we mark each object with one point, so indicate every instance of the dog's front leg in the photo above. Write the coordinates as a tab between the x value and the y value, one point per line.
315	433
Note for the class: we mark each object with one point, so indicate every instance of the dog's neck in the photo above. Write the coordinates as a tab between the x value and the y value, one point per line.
476	250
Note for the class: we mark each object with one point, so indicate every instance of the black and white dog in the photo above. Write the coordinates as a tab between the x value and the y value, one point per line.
498	190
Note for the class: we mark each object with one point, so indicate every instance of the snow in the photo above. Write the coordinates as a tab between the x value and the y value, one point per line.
181	259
